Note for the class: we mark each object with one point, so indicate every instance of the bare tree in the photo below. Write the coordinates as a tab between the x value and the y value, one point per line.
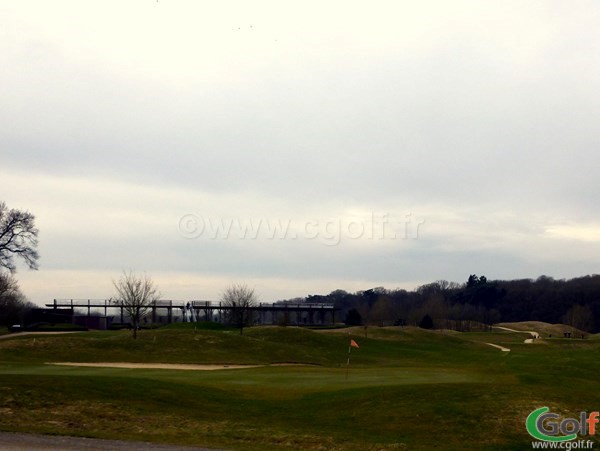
135	294
240	299
382	312
13	304
580	317
366	304
18	238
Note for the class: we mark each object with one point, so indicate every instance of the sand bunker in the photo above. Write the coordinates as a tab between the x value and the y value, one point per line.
157	366
21	334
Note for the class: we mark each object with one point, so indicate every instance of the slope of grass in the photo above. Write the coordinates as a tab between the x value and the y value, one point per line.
405	388
544	329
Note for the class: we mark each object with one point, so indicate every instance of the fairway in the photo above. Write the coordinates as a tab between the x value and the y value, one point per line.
405	388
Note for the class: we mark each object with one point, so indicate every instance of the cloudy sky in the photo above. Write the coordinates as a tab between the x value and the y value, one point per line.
300	147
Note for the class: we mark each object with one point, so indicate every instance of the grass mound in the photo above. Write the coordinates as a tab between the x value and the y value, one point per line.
61	327
201	325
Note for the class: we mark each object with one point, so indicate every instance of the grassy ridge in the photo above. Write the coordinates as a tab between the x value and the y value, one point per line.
406	388
261	345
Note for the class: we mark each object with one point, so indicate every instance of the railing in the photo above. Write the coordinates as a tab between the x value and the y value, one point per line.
183	304
273	313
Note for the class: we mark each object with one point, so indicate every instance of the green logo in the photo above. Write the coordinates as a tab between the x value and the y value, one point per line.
545	426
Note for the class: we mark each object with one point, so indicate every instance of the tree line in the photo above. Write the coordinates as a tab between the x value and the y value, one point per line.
476	303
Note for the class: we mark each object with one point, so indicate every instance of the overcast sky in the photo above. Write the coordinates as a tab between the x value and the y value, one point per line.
300	147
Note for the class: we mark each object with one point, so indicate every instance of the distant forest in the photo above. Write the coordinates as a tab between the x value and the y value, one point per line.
476	303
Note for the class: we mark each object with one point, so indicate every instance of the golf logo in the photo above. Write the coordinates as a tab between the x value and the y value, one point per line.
546	426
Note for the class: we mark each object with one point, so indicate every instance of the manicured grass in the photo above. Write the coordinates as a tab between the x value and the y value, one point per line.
59	328
202	325
405	388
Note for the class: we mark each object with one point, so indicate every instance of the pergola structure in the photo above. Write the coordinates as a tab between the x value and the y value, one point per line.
306	314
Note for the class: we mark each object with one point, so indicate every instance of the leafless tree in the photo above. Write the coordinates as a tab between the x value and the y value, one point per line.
370	298
580	317
240	299
13	304
18	238
135	294
382	312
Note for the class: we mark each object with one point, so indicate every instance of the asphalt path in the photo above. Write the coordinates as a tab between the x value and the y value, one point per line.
33	442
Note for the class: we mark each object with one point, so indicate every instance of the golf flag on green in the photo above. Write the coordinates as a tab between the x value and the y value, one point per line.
353	344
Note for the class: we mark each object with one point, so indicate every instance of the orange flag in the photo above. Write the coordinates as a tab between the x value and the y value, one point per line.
354	344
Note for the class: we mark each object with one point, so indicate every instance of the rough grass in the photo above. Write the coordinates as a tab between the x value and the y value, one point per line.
405	388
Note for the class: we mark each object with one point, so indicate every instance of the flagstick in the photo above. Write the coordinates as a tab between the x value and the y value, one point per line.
348	361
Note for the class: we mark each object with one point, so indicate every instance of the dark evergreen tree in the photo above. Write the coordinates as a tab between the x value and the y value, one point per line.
426	322
353	318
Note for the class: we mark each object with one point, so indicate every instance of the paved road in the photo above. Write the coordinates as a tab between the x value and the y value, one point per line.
33	442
